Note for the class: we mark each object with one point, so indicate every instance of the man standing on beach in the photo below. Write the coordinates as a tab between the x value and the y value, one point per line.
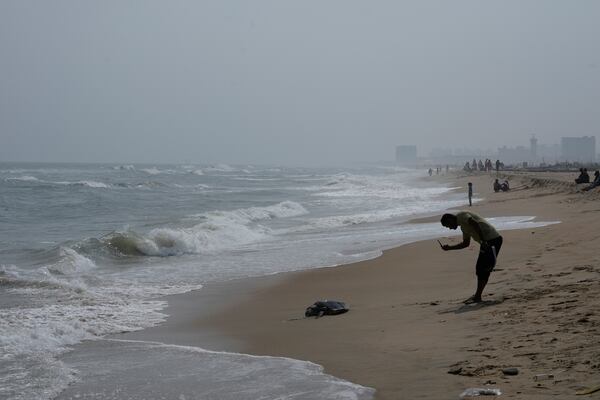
470	194
474	226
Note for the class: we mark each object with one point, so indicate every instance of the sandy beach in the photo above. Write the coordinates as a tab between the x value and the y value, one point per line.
408	335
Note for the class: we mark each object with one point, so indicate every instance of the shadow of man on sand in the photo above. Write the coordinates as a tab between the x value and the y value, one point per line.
463	308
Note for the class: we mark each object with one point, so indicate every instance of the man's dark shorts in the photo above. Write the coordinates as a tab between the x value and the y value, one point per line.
487	259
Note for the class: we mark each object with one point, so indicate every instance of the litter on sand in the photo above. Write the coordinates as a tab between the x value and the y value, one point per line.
473	392
326	307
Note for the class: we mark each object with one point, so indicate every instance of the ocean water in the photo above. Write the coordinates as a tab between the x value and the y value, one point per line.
90	250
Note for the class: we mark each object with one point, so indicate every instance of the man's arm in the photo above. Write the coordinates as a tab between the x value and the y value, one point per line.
465	243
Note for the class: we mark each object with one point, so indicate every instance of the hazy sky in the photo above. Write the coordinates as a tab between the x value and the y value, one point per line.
292	82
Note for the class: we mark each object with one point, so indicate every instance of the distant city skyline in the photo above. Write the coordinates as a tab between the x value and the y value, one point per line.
570	148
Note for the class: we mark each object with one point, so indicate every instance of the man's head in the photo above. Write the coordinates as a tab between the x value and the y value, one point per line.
449	221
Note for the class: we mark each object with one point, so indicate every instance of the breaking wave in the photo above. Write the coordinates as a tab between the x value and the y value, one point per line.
91	184
151	171
33	179
349	185
219	230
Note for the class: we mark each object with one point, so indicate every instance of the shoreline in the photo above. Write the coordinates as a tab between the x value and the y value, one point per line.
400	335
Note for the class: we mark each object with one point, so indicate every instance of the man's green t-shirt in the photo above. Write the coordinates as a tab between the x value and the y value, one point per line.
488	231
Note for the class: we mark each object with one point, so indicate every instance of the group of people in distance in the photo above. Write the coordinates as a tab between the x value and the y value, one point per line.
438	170
584	177
486	165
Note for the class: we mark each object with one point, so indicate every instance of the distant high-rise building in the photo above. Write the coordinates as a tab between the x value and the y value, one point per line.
406	155
578	149
533	148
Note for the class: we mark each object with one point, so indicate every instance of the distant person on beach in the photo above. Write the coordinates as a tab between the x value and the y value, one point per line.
595	183
504	186
430	172
583	177
474	226
488	165
496	185
470	193
497	166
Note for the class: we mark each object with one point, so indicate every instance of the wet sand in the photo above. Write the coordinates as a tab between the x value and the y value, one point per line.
407	328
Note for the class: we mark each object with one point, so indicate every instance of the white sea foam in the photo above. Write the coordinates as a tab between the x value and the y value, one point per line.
36	335
71	262
40	378
91	184
65	274
103	309
244	215
24	178
521	222
389	187
55	317
151	171
242	178
196	186
336	221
